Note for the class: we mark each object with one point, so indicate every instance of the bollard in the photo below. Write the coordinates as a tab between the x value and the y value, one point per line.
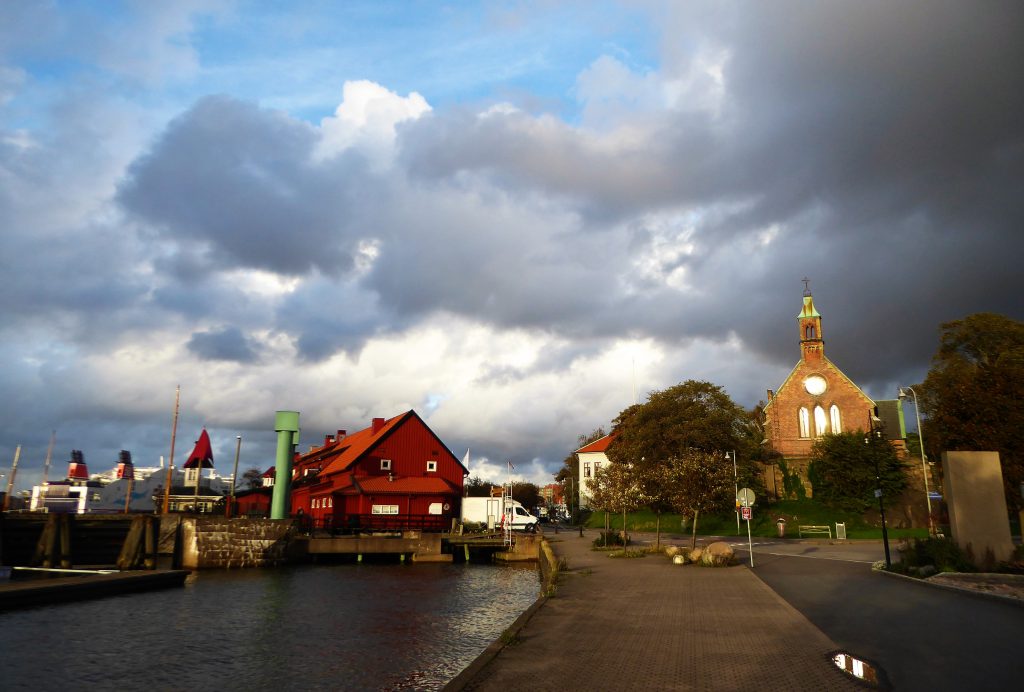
781	526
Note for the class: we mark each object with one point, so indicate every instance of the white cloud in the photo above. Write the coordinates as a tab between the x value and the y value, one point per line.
366	120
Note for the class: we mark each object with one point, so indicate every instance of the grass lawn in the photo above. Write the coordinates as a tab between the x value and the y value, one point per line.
796	513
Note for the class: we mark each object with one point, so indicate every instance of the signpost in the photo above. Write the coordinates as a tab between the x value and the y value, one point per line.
745	498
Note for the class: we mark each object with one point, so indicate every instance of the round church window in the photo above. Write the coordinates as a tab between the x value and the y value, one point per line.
815	385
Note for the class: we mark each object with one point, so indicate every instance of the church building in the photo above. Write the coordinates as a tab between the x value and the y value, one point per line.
816	398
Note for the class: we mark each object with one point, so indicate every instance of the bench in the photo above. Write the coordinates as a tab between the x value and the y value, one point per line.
816	529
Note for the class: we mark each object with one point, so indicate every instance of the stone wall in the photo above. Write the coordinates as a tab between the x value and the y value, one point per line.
240	542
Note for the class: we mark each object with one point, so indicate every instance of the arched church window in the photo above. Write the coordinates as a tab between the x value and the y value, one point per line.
809	332
819	421
837	423
805	422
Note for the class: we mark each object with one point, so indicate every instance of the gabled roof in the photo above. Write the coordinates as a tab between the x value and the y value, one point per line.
824	359
346	452
597	445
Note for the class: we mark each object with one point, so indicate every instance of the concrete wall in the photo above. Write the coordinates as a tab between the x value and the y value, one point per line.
973	485
227	543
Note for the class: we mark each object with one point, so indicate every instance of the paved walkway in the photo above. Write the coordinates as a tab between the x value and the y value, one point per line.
646	624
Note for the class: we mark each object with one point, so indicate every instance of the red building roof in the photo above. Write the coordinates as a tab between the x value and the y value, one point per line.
344	453
597	445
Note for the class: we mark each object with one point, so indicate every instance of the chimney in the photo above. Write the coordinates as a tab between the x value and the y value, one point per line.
328	439
341	435
125	469
77	470
378	423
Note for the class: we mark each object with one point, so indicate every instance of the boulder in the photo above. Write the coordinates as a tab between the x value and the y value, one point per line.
718	554
672	550
695	554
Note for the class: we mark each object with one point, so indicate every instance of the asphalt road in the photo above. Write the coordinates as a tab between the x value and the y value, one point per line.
922	638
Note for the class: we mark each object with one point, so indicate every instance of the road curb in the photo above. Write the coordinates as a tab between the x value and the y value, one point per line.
951	587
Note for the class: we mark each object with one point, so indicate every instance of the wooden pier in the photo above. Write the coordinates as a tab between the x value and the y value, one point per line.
33	592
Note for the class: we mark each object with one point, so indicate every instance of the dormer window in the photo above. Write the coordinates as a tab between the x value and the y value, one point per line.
385	464
431	466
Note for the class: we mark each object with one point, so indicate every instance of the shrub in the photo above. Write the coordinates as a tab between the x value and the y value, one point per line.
943	553
609	538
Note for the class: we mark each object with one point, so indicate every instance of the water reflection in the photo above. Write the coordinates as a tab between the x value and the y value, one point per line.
336	627
858	668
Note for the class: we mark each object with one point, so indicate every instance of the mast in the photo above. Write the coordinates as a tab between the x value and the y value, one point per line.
49	456
170	464
10	481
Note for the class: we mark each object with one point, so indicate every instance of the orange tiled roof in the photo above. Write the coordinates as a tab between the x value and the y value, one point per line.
338	457
597	445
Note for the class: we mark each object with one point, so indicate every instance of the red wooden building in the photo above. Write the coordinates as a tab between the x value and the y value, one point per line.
395	474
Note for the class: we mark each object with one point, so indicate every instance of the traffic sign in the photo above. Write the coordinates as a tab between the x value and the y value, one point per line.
745	496
745	513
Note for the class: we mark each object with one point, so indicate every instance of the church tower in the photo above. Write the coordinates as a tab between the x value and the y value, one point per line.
812	344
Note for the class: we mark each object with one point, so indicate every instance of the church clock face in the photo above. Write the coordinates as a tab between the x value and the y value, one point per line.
815	385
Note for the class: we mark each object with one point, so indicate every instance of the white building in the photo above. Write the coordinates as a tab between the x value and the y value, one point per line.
591	457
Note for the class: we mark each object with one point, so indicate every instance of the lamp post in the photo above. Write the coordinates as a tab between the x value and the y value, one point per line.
924	457
736	489
878	493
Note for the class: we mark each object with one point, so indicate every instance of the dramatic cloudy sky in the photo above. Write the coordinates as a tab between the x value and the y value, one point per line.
507	216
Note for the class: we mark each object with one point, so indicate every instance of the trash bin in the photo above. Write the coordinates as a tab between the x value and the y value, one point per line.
781	526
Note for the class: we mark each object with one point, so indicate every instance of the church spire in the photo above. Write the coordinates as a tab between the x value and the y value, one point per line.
812	344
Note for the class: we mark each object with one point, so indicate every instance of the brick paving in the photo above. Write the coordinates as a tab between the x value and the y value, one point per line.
646	624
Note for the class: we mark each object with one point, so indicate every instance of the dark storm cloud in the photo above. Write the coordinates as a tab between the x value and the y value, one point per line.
227	343
237	185
884	142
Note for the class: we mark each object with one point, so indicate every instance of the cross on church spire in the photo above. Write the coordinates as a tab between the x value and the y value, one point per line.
807	286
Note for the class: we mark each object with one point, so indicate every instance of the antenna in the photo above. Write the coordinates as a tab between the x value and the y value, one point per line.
634	380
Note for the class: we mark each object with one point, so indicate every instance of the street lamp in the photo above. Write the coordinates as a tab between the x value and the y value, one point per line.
924	457
878	493
736	489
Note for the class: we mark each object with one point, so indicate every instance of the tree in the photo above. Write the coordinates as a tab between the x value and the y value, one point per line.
973	396
615	488
843	470
696	482
527	494
252	478
477	487
690	415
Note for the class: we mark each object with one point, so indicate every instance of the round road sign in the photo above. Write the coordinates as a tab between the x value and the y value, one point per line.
745	497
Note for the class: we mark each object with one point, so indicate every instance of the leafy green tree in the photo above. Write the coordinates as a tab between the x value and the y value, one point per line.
526	493
846	468
690	415
252	479
477	487
973	396
696	482
615	488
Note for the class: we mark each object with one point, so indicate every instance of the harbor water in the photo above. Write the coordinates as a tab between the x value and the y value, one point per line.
314	627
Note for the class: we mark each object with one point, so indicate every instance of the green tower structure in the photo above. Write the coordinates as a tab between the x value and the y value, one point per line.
286	423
